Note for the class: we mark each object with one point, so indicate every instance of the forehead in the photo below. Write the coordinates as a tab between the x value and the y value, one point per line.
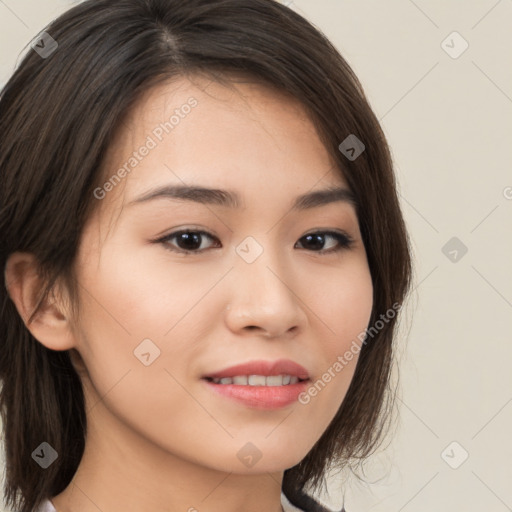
244	136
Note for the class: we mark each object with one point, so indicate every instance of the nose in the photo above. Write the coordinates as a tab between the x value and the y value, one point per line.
265	299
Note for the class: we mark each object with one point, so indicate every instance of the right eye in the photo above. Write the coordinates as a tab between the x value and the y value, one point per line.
187	241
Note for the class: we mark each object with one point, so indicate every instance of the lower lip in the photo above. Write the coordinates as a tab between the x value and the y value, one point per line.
261	397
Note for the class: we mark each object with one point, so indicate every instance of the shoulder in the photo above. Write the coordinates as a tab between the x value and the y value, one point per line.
313	506
46	506
306	504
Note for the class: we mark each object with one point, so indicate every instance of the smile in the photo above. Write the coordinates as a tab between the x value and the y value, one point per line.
257	380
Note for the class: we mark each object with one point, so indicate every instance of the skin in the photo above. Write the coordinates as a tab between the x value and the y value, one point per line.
158	438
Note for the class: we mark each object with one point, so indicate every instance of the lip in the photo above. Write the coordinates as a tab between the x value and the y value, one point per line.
259	397
262	367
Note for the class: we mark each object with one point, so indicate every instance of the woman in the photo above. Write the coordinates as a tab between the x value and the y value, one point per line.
204	261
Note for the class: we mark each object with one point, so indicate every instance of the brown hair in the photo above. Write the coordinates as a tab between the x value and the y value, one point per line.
58	116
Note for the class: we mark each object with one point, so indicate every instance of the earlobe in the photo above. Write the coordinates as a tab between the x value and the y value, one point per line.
51	324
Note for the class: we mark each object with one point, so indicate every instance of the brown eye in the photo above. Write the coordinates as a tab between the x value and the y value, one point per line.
190	241
187	241
316	241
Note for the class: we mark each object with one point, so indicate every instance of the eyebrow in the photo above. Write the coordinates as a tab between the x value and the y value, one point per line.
231	199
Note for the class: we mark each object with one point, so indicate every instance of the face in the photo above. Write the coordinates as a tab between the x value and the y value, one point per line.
175	288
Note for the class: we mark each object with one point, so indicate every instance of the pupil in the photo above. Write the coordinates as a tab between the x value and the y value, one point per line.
316	238
192	240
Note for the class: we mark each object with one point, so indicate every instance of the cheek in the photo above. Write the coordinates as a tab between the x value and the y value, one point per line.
345	308
126	315
125	302
145	295
346	302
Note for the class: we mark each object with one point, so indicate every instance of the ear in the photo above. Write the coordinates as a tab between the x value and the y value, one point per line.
51	326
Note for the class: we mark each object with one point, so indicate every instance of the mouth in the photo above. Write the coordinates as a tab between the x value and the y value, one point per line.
257	380
260	384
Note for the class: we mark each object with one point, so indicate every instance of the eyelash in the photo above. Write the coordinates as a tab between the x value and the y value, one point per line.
345	241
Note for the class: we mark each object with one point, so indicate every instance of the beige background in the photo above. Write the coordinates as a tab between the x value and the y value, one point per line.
449	123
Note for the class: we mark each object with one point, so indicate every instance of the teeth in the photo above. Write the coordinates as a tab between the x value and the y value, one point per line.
258	380
274	380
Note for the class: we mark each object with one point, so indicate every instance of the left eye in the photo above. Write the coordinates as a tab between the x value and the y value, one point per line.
189	241
344	241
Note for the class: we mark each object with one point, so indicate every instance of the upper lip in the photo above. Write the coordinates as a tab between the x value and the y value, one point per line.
261	367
